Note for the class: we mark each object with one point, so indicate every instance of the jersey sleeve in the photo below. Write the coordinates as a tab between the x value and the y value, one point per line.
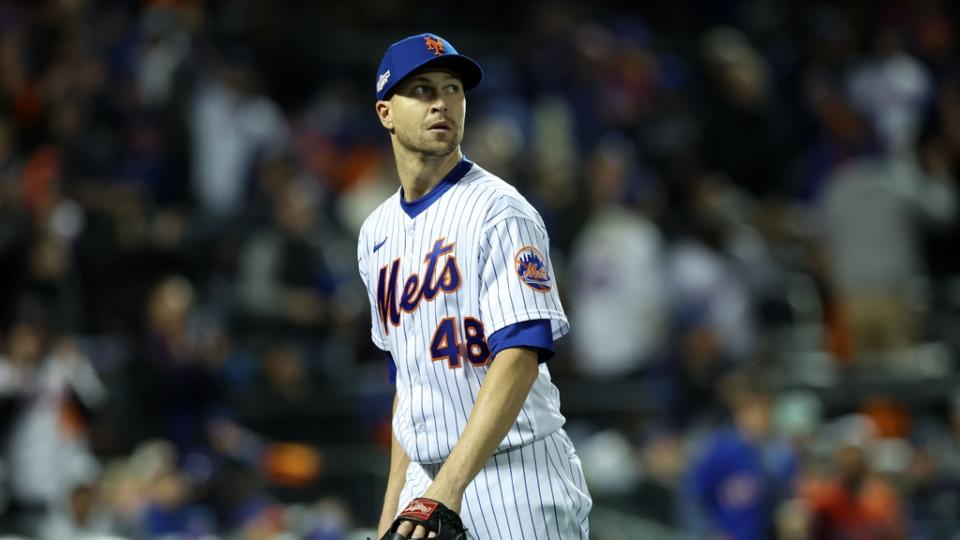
375	334
517	281
535	335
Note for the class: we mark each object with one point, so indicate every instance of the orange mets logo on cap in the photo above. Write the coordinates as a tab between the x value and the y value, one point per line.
532	268
434	45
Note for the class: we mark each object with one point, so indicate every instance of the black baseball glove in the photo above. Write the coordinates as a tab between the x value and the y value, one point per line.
434	516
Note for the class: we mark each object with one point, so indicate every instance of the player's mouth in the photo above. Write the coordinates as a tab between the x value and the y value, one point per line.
439	126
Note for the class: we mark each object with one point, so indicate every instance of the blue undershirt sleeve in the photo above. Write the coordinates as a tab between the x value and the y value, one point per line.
534	334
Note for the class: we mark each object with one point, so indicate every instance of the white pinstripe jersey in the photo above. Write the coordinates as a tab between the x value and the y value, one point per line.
474	260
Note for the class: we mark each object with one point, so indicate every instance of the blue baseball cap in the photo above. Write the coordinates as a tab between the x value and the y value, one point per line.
415	52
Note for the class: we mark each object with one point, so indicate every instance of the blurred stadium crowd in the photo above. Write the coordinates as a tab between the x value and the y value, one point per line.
754	219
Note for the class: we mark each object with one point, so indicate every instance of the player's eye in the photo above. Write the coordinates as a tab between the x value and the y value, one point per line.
452	88
421	90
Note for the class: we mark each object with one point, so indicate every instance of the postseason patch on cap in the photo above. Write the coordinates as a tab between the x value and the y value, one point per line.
382	80
532	269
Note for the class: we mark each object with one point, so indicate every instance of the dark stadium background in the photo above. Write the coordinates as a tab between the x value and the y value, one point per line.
754	223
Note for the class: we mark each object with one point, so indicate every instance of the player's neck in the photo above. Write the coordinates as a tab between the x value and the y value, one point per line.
419	173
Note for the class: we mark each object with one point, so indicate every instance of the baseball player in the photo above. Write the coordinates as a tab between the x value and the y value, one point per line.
463	298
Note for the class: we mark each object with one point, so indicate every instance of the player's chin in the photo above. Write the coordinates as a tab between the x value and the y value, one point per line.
439	148
440	135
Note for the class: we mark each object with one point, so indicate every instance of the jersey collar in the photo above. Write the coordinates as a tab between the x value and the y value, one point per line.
415	208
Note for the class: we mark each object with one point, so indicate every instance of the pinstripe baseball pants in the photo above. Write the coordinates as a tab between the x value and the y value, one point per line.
533	492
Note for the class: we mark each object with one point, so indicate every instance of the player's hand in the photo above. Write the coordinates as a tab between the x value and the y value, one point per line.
408	530
426	518
437	492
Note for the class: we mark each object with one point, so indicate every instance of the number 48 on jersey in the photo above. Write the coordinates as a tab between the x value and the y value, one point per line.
446	344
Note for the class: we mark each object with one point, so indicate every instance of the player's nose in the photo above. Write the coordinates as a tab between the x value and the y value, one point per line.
439	105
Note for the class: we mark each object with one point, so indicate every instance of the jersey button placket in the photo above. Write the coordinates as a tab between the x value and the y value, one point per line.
411	230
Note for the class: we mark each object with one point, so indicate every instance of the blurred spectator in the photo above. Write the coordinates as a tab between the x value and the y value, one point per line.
179	378
150	496
617	264
872	210
853	501
892	89
51	284
716	268
169	510
610	467
743	472
739	99
842	134
284	282
698	363
274	408
126	244
233	125
48	276
81	515
934	479
167	46
46	449
663	459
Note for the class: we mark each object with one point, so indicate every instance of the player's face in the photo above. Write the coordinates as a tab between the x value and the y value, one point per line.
427	112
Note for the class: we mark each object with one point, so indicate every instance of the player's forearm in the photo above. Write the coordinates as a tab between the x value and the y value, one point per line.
502	394
399	461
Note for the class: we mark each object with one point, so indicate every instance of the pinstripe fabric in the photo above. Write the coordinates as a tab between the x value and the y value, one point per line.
479	252
485	223
533	492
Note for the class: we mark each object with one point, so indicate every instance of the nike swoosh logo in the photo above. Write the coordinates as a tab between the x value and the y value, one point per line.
379	245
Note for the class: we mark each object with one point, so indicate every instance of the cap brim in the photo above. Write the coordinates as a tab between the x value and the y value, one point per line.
467	68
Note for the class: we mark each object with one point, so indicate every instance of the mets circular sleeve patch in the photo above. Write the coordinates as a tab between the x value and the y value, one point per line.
531	267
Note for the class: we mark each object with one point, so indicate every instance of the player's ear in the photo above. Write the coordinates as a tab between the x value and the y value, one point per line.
385	114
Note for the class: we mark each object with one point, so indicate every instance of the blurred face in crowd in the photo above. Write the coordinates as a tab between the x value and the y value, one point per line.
286	370
839	118
851	464
752	413
294	210
238	76
49	259
425	114
26	343
608	169
82	501
170	489
169	305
